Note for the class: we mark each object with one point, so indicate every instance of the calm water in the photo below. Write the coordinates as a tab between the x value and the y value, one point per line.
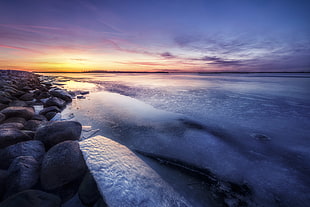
251	129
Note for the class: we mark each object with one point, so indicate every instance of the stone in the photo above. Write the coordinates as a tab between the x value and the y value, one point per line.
11	136
5	100
12	125
39	117
23	173
18	111
34	148
49	109
32	198
50	115
61	165
55	132
29	133
32	125
67	191
43	95
2	117
88	190
18	103
27	97
100	203
3	178
3	106
64	95
20	120
54	101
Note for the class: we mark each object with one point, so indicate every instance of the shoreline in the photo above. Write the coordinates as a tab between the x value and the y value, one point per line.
41	162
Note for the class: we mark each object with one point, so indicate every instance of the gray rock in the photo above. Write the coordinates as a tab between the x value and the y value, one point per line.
50	115
39	117
3	178
88	190
11	136
49	109
14	125
3	106
18	103
64	95
32	125
100	203
20	120
5	100
29	133
54	101
23	175
32	198
2	117
27	97
18	111
62	164
34	148
55	132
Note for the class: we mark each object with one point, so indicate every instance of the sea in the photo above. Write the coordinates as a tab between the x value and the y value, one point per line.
219	139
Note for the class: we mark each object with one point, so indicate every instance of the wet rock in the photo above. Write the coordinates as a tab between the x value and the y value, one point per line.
2	117
5	100
18	103
64	95
84	92
32	198
32	125
27	97
18	111
100	203
23	175
3	178
88	191
54	101
29	133
11	136
39	117
67	191
61	165
3	106
81	97
49	109
43	95
50	115
20	120
34	148
12	125
55	132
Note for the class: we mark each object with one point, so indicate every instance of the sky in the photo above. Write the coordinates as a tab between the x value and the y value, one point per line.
155	35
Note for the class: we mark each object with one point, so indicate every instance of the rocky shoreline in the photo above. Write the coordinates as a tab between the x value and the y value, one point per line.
41	163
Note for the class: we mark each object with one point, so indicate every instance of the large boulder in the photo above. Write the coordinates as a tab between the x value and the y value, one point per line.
2	117
55	132
64	95
18	111
32	125
27	97
20	120
34	148
3	178
54	101
32	198
5	100
23	175
9	136
11	125
88	190
61	165
18	103
49	109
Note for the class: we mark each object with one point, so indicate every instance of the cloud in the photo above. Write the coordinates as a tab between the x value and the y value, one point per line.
167	55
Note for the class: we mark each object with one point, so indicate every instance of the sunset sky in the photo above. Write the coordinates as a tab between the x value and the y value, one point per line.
155	35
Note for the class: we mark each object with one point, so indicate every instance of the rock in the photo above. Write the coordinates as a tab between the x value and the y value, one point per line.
29	133
27	97
43	95
49	109
100	203
3	106
34	148
20	120
5	100
18	111
2	117
64	95
88	191
18	103
84	92
67	191
23	175
3	178
39	117
62	164
12	125
32	125
11	136
54	101
55	132
32	198
50	115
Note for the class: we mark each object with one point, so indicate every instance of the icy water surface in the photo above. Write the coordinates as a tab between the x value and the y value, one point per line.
248	129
